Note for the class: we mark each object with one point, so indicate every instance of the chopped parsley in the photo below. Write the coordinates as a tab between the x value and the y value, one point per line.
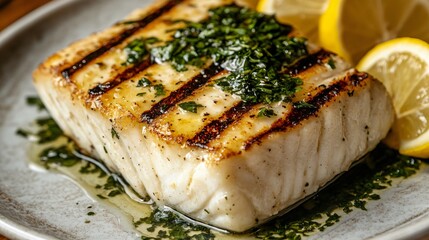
144	82
23	133
190	106
101	196
331	63
253	47
112	186
137	49
114	133
302	104
48	131
90	168
141	94
35	101
61	156
266	112
159	90
114	193
169	226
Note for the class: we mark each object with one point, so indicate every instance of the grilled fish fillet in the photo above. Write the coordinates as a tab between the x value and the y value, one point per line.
222	165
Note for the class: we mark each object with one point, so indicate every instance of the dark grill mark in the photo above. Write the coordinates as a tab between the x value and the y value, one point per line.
297	115
176	96
308	62
358	77
68	72
216	127
127	74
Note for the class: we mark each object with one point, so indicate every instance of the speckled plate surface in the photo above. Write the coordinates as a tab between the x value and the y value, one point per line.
36	205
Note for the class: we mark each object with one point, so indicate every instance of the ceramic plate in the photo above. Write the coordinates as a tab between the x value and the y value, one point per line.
36	205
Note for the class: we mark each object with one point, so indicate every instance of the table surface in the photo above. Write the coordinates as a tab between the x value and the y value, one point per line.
15	9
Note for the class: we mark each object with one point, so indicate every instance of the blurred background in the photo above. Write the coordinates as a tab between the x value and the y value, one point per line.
12	10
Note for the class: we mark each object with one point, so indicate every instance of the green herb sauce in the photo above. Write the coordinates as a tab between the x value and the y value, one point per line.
352	191
166	225
253	47
48	129
137	49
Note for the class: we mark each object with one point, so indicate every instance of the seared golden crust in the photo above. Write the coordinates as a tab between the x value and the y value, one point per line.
106	85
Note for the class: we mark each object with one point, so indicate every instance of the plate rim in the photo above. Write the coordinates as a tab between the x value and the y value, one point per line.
16	27
12	229
418	229
8	227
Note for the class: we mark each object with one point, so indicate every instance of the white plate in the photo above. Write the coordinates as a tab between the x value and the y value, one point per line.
36	205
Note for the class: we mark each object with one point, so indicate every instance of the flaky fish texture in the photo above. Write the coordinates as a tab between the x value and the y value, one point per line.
222	165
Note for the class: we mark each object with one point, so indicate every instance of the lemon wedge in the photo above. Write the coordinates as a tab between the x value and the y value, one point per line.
352	27
403	66
266	6
303	15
